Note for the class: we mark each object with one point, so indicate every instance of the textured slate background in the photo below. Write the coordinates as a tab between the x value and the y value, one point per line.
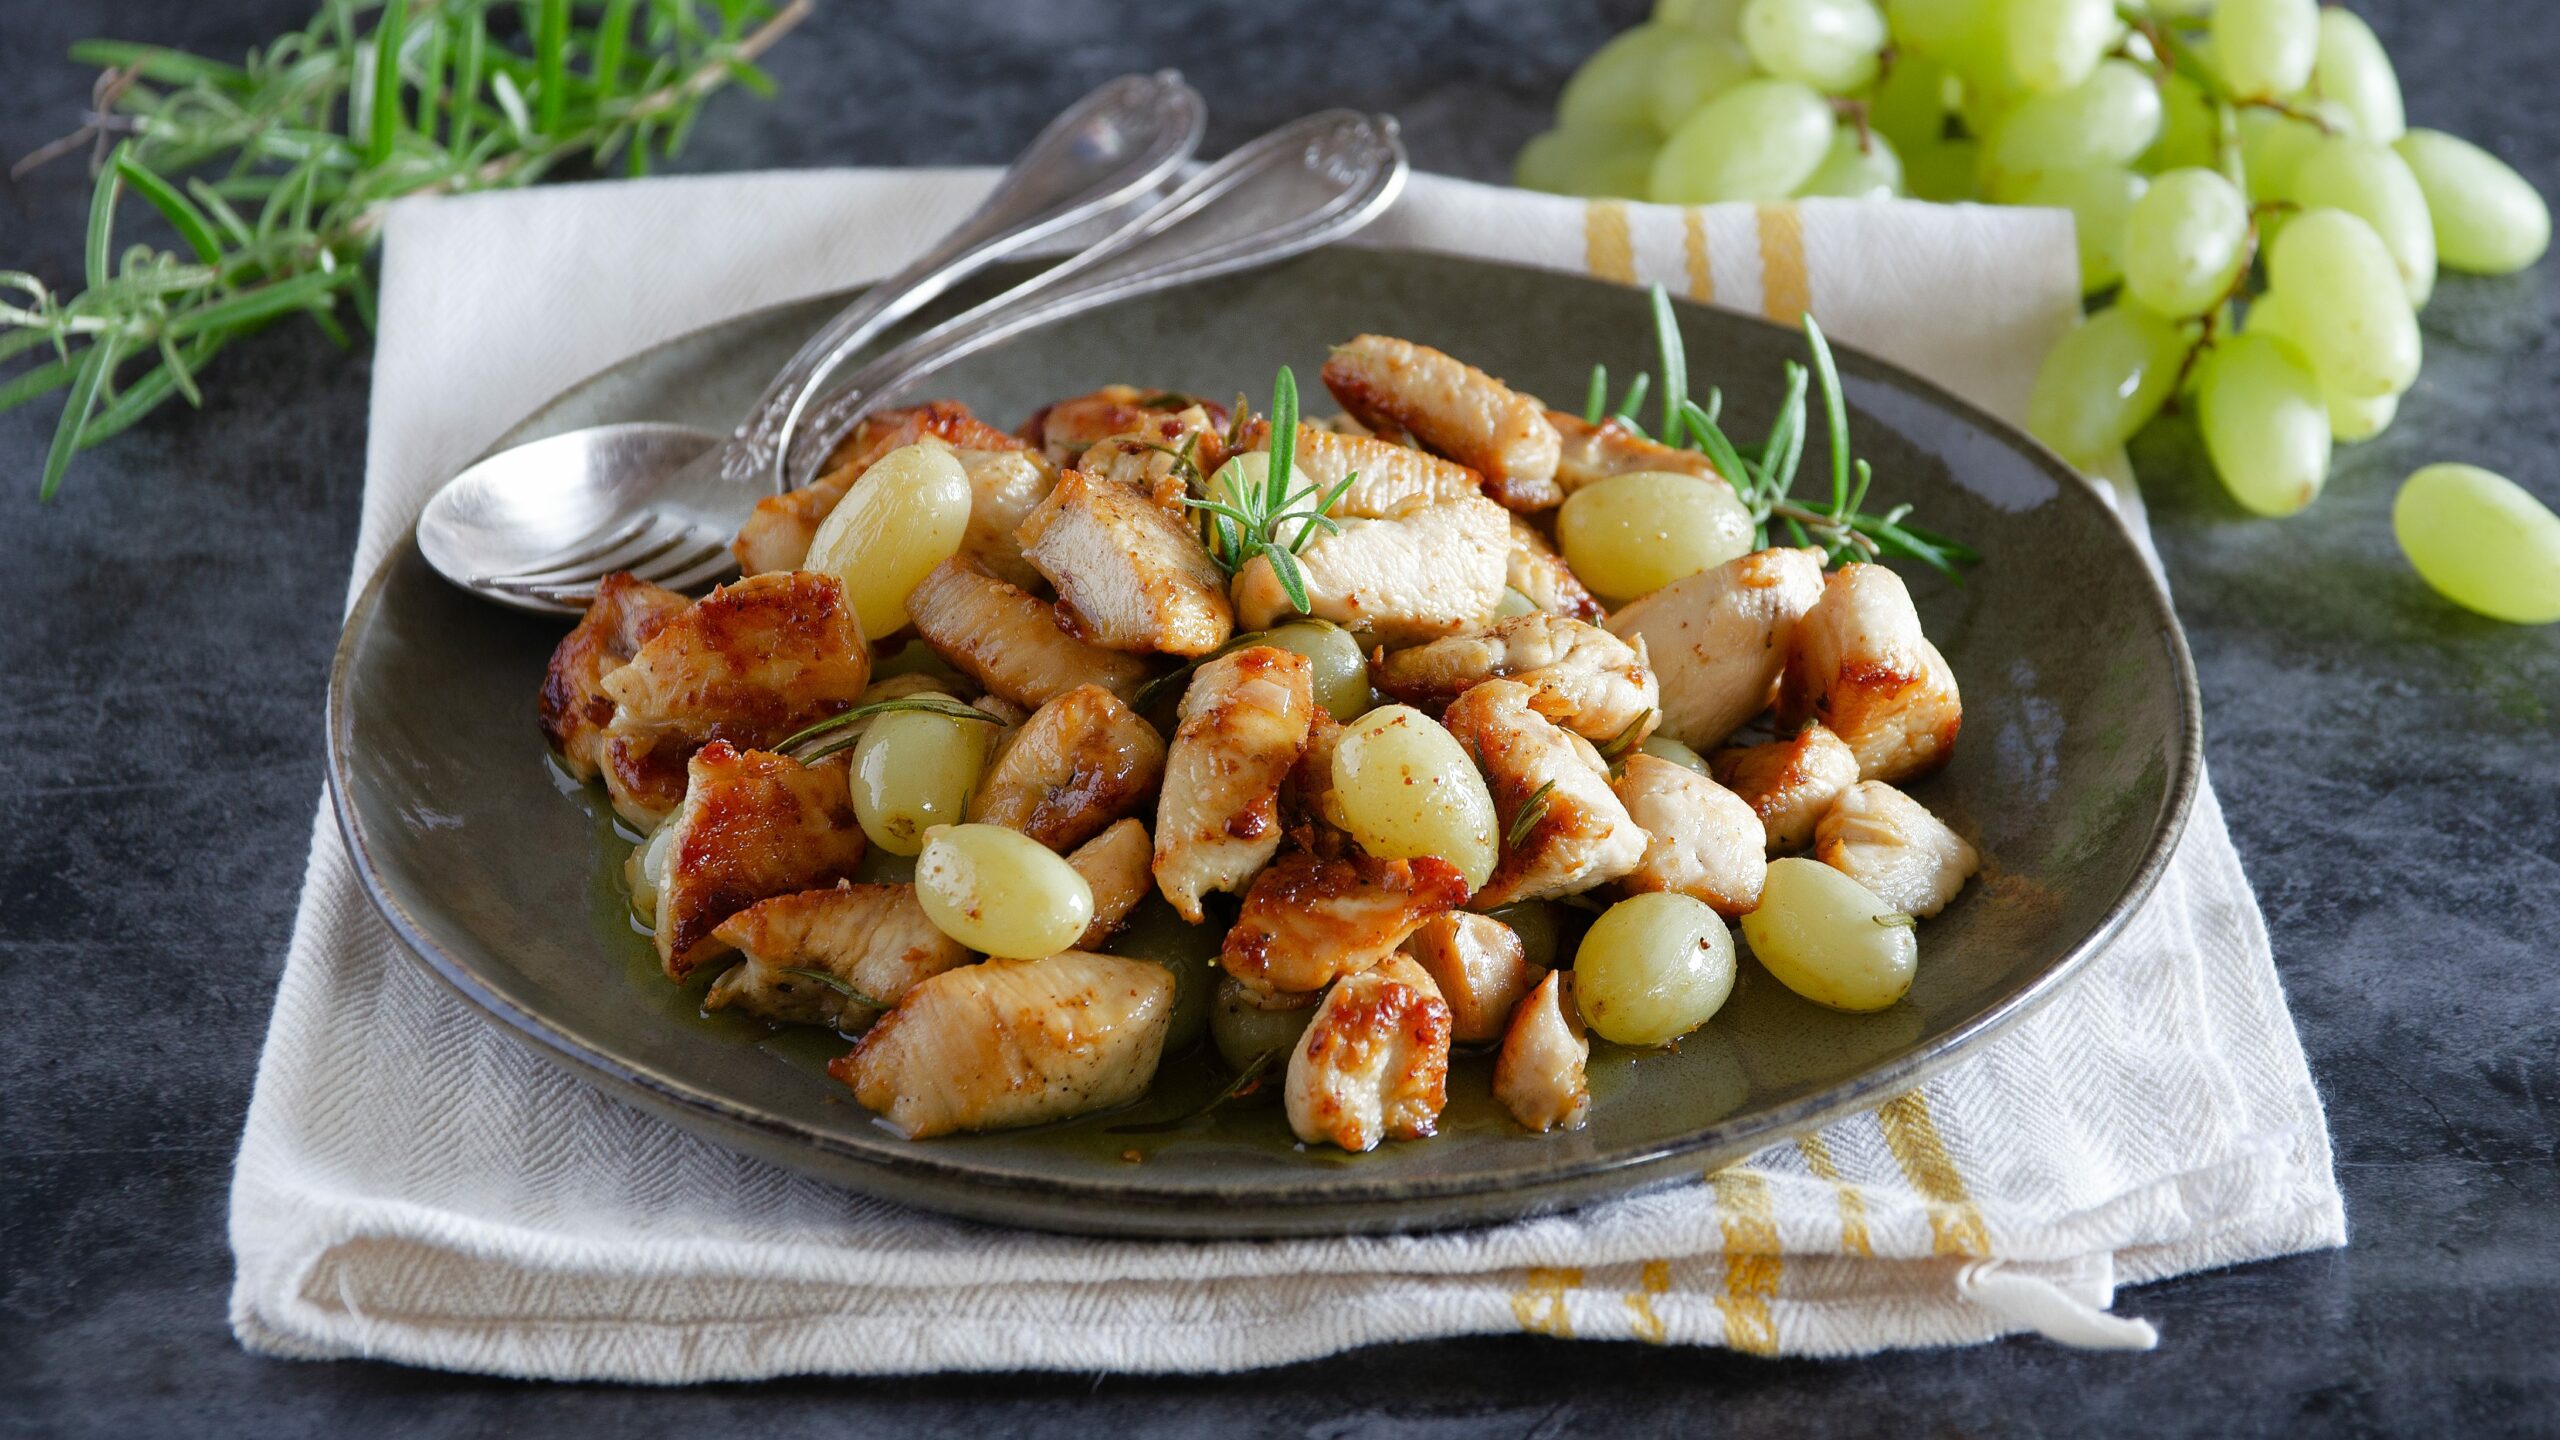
2391	768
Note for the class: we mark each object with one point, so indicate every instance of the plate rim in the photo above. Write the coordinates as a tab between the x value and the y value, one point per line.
1335	1205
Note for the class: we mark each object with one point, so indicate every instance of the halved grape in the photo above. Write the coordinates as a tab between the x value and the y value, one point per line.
2360	333
2370	181
1692	70
2184	242
2099	198
1614	160
1756	141
2103	382
2108	119
2051	44
1857	167
1831	45
2482	542
2489	220
1614	86
2265	424
2264	49
2352	69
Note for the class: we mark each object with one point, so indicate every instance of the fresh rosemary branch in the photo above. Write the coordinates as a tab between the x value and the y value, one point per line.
1246	521
274	174
836	732
1533	811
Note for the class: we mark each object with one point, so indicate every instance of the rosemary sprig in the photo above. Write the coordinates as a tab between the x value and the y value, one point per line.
1246	522
1532	810
838	984
1614	752
830	732
1241	1083
273	174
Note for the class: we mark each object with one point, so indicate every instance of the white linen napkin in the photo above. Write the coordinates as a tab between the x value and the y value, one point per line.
414	1186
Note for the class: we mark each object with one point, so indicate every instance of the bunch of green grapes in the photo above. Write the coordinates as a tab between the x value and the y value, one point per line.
2258	225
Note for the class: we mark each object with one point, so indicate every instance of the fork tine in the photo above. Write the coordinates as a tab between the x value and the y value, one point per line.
676	566
645	536
712	563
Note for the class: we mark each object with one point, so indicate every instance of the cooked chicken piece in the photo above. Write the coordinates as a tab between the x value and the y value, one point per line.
1580	676
1308	922
1788	783
1374	1063
1454	409
875	940
753	826
1437	571
750	663
1890	843
1163	458
1592	453
1580	835
1005	487
575	708
1009	640
1480	968
1392	479
1080	762
1539	1075
1008	714
1543	578
1115	866
1311	783
1860	665
1718	639
1244	721
1129	576
1705	842
777	535
1065	429
1014	1042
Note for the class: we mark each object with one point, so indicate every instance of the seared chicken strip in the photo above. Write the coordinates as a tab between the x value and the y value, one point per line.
1539	1076
1579	835
1162	458
750	663
1014	1042
1718	639
777	535
1005	487
1308	922
1705	841
1064	429
1128	575
1592	453
1392	479
1009	641
1436	571
1580	676
1454	409
875	940
1244	722
753	826
1480	968
1890	843
1860	665
1080	762
1374	1063
1788	783
1543	578
1116	867
575	708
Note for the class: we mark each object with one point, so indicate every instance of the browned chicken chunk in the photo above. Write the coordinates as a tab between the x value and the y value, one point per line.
1435	571
1592	453
874	942
1703	841
1116	867
1080	762
1374	1063
1162	459
1308	922
1718	639
1065	429
1579	675
1788	783
1454	409
1244	722
1480	968
1539	1076
1014	1042
753	826
1860	665
1128	575
1387	480
1891	844
575	708
1009	641
1563	829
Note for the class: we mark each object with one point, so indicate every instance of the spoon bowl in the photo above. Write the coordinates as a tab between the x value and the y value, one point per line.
512	510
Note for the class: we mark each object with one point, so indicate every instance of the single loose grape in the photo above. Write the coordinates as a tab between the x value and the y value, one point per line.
1663	747
906	515
2482	541
2265	49
1829	939
1247	1025
1612	160
1632	534
1831	45
2103	382
1756	141
1857	167
2360	334
1404	788
2108	119
2099	199
1615	86
2352	69
1692	70
2370	181
2489	220
913	770
2054	44
1339	672
2265	424
1001	892
1156	932
2184	242
1653	968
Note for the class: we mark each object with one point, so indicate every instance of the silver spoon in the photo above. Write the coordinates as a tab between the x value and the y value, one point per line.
514	525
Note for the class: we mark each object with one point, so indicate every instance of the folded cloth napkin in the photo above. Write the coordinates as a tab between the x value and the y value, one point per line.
415	1186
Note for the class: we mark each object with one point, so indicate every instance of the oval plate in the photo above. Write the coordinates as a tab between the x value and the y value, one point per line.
2079	756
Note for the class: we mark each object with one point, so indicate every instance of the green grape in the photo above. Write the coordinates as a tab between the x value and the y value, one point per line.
1910	106
2273	147
1600	160
2489	220
2054	44
2353	71
2482	541
2099	198
2353	421
2185	242
1831	45
2188	129
1706	17
1942	172
2265	424
2370	181
1615	86
1693	70
2264	49
1939	29
1756	141
2108	119
1852	170
2103	382
2360	335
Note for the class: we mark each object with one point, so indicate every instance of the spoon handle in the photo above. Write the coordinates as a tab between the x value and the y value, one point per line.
1116	144
1301	186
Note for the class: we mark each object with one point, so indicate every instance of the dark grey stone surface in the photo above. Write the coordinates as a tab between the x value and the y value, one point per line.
2391	769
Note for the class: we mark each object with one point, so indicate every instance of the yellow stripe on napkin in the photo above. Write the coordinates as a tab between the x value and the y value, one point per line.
1853	1206
1641	1319
1608	245
1786	292
1752	1264
1955	1226
1539	1303
1693	255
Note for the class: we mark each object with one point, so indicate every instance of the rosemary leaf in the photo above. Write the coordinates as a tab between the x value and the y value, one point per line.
1835	413
1595	400
840	986
1625	414
1531	812
1675	365
1242	1082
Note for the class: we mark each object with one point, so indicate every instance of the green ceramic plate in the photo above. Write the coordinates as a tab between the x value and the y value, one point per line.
2079	755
